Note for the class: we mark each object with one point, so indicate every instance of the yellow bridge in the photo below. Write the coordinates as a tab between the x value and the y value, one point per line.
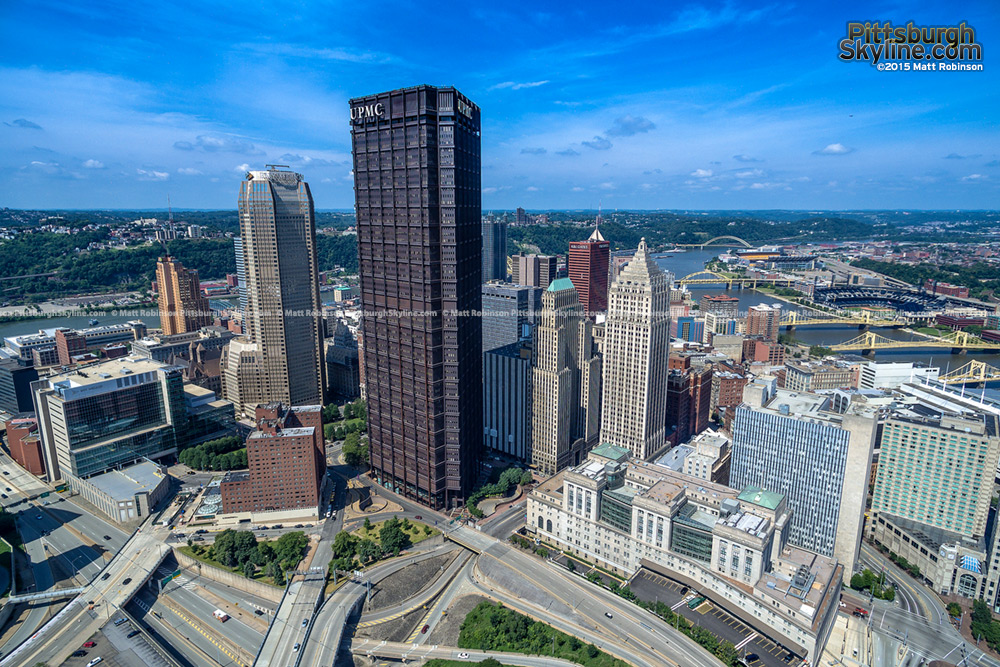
957	340
972	373
712	278
861	319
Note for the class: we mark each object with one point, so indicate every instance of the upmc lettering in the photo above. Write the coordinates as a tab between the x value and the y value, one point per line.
367	112
464	108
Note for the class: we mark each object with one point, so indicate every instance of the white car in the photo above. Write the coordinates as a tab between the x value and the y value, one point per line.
296	647
463	654
95	661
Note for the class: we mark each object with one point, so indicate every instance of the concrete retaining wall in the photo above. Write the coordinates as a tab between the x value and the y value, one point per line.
237	581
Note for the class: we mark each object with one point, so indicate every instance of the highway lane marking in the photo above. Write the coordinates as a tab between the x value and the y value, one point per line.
600	629
207	636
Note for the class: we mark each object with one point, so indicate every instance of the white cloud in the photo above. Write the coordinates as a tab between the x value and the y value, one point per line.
514	85
577	188
242	167
188	171
701	173
749	173
152	175
531	188
834	149
973	177
93	164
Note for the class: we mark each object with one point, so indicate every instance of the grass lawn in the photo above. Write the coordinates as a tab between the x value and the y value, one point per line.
931	331
258	576
415	531
496	628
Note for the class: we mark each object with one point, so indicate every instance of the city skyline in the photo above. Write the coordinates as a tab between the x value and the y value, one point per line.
158	109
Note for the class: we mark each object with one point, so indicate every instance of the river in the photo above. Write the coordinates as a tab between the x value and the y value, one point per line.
680	264
686	263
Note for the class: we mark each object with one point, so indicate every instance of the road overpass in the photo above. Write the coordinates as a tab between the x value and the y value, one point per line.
374	648
122	577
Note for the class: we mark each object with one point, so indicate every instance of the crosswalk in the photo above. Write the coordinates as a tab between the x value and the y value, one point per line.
141	604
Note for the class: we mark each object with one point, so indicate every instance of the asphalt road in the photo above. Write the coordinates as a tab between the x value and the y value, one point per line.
328	628
408	652
62	543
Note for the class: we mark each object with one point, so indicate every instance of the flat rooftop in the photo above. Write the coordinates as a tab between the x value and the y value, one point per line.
126	483
674	459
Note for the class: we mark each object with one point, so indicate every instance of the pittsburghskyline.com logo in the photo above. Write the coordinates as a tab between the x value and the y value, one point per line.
911	47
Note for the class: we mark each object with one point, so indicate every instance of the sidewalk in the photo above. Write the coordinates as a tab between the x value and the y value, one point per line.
848	643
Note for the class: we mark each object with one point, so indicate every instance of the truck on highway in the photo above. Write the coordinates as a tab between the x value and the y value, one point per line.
221	615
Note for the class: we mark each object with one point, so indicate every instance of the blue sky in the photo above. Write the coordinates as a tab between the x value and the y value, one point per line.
714	105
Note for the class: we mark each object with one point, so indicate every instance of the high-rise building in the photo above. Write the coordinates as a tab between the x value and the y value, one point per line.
286	462
588	269
113	413
417	183
566	381
283	318
720	304
241	275
15	386
764	320
521	216
636	345
933	487
494	250
183	307
509	312
791	444
507	400
343	369
533	270
69	344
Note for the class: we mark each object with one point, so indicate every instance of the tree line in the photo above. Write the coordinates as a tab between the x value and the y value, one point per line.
240	549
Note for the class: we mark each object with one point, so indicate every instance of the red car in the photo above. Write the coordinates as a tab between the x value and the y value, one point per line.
89	644
424	629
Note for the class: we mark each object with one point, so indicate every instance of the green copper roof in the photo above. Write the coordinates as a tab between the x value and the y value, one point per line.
560	284
607	450
768	499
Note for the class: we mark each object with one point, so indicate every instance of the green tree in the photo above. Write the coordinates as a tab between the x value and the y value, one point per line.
249	570
527	478
954	609
344	544
367	551
244	546
392	537
368	523
225	548
288	548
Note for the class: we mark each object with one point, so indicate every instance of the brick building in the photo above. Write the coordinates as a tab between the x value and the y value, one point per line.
286	460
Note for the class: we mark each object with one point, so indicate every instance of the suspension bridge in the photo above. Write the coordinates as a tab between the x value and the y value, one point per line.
974	372
956	341
718	240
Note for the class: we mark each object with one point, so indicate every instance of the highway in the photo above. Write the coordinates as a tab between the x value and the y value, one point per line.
408	652
920	619
126	573
328	628
66	525
575	606
291	622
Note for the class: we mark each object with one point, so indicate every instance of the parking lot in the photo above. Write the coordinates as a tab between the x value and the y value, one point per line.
117	649
652	587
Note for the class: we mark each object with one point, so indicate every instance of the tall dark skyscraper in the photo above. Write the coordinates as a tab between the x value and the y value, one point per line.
494	250
588	269
417	184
